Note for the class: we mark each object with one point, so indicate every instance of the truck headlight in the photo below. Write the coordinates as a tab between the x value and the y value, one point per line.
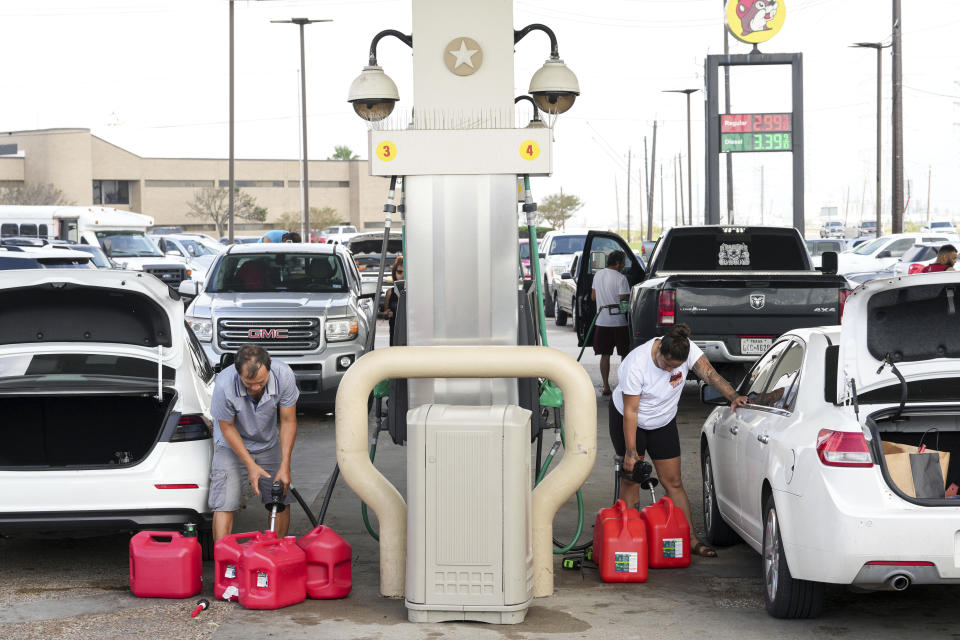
202	328
340	329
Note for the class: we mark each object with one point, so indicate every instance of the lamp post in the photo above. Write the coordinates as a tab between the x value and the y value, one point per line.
305	182
879	47
689	157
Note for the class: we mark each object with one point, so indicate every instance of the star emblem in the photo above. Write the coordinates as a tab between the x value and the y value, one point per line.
464	55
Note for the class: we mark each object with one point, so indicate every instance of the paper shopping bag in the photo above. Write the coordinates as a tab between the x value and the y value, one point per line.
897	458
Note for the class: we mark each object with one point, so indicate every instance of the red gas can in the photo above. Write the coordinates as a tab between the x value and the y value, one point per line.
226	564
328	564
274	573
620	544
165	564
668	534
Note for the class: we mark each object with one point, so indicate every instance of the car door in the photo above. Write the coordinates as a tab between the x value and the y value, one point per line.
595	250
768	416
730	429
567	287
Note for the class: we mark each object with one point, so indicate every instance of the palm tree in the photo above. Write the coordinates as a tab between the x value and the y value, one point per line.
343	152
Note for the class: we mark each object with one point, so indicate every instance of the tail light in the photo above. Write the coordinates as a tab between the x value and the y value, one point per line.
843	449
916	267
666	307
190	427
843	299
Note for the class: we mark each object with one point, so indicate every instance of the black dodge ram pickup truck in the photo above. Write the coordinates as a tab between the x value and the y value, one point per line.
737	288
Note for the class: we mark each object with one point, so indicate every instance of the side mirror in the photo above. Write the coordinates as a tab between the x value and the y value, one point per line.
828	262
226	361
368	290
543	256
566	275
883	254
189	288
709	395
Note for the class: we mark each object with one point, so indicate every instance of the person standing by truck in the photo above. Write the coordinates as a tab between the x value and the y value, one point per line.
247	442
643	413
609	288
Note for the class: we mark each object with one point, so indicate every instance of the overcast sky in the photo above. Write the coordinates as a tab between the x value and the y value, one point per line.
151	76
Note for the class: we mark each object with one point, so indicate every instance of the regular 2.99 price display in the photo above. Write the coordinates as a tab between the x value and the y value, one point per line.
756	132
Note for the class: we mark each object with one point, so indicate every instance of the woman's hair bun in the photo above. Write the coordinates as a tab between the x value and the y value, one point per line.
679	331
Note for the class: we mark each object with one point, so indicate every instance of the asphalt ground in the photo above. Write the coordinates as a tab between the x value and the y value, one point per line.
73	588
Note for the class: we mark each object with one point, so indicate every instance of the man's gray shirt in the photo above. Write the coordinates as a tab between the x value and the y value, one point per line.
255	421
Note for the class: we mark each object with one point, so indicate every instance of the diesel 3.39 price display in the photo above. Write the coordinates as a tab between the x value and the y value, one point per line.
756	132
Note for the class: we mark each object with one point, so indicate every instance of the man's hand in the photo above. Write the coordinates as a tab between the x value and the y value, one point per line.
256	472
738	402
630	458
283	475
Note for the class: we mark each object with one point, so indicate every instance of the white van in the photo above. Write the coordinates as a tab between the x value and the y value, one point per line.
121	234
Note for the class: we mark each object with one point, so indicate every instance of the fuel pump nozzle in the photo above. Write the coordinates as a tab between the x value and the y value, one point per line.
641	475
276	503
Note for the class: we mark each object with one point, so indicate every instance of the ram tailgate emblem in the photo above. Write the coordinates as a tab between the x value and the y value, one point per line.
757	300
267	334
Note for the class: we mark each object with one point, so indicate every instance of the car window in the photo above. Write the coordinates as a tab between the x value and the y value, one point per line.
756	381
600	248
782	390
899	247
933	239
867	248
566	244
279	272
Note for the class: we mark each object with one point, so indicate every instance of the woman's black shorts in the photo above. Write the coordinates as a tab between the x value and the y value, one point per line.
661	444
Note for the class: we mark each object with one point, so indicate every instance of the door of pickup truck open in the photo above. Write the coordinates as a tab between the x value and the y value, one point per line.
596	247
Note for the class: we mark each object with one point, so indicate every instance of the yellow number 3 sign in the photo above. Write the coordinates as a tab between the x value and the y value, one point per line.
386	151
529	150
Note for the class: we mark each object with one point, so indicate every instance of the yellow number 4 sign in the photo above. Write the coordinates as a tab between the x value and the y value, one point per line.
529	150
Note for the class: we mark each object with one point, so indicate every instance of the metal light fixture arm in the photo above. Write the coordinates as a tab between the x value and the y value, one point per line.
536	110
519	34
402	37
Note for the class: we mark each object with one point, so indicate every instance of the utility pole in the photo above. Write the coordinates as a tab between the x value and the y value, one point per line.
929	177
662	199
646	185
879	46
680	169
897	118
726	105
651	190
676	206
629	177
230	176
863	194
616	196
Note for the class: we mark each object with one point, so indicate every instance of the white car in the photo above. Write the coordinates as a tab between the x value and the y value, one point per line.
883	252
107	395
556	256
804	474
832	229
195	254
941	226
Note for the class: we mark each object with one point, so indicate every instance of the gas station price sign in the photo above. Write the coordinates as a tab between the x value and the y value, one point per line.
755	132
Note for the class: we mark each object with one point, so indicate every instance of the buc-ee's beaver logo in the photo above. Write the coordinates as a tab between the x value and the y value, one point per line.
755	21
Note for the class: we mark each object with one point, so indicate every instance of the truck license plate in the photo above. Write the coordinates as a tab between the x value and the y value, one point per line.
754	346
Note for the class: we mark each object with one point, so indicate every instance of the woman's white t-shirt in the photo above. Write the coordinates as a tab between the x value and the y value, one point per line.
659	390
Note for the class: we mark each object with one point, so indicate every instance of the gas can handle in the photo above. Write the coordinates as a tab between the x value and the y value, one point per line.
162	537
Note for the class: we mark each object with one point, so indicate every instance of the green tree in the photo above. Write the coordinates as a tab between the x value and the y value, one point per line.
213	203
323	217
557	208
342	152
34	194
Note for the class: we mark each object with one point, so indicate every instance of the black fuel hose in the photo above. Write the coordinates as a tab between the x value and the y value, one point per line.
306	509
331	483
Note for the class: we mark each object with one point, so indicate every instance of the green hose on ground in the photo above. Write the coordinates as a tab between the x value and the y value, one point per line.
363	505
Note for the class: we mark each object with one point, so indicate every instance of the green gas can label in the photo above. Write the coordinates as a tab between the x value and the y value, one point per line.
673	547
625	562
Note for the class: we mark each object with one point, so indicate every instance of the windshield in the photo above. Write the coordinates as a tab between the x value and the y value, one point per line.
97	256
567	244
868	224
196	248
525	250
275	272
818	248
941	225
869	247
72	367
834	223
128	244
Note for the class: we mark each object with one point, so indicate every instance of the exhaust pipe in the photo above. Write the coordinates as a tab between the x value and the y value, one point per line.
899	582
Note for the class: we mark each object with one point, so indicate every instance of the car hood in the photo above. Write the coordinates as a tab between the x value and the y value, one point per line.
910	321
138	263
221	304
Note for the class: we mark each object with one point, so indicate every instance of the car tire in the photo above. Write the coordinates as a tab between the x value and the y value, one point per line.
718	532
784	595
559	315
547	308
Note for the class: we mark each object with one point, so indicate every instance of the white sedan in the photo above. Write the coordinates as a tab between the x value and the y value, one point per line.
816	473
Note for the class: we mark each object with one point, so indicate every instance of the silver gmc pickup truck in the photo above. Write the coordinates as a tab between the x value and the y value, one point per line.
304	303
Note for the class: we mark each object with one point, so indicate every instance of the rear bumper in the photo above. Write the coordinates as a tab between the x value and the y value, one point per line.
125	520
717	351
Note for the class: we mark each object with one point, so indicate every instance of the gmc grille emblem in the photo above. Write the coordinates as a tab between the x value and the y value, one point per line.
267	334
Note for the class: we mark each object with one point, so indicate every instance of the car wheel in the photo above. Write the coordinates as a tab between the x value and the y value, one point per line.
547	308
784	595
559	315
718	531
